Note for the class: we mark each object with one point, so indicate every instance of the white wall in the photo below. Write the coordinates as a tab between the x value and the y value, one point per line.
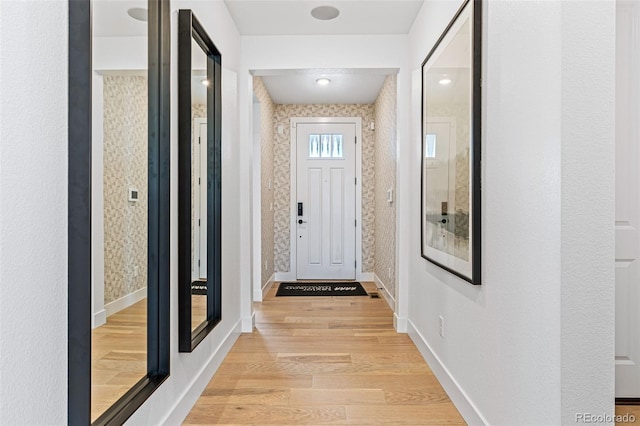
190	372
33	212
588	207
522	340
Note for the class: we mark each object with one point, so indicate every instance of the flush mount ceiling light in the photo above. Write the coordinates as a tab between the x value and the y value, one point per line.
138	13
323	81
325	13
445	81
205	82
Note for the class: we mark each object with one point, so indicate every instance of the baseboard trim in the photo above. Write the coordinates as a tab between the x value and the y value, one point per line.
400	324
99	318
248	323
124	302
187	400
284	276
391	301
259	294
459	398
366	276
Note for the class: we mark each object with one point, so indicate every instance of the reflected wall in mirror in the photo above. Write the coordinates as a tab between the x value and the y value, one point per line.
119	227
120	204
199	176
450	207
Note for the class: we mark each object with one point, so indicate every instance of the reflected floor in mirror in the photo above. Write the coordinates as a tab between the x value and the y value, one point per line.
317	360
198	310
119	356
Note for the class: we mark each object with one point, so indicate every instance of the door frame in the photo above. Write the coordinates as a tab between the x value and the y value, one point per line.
293	168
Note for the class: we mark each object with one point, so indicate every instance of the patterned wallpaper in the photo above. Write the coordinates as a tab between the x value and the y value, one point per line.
125	166
281	173
385	178
266	175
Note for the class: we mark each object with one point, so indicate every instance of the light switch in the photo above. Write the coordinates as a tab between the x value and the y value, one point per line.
134	195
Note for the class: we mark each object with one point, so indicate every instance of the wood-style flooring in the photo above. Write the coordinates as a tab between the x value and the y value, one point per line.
118	356
119	352
631	410
324	360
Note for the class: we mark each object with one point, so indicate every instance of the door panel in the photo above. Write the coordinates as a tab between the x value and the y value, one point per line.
337	215
314	209
627	278
325	232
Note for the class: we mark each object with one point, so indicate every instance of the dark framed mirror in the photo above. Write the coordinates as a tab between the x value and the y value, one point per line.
199	182
118	353
451	137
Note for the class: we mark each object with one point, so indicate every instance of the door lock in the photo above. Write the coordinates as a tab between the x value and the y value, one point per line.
300	221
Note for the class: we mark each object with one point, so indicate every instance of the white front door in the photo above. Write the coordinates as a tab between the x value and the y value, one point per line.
325	222
200	199
627	279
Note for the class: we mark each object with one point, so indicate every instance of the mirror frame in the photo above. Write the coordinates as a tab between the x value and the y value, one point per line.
79	216
474	144
189	28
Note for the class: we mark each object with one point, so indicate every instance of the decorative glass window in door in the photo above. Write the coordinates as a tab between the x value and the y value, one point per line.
325	146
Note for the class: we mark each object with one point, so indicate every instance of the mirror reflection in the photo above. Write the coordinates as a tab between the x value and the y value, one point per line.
446	146
119	200
199	85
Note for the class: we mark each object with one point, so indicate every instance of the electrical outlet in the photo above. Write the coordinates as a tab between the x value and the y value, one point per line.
441	323
389	272
135	271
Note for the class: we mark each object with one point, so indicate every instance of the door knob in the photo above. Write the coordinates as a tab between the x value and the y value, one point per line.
300	221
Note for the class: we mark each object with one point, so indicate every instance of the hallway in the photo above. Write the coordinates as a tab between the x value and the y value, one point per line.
324	360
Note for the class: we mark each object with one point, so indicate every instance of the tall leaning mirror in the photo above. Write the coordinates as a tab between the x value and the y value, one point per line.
118	206
199	176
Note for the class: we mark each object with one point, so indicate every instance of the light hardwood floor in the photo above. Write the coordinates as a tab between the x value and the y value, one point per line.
119	352
631	410
118	356
324	360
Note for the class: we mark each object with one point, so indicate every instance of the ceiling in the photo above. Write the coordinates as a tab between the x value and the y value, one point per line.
348	86
293	17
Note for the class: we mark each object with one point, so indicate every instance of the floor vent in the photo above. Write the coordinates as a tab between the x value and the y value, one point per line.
374	295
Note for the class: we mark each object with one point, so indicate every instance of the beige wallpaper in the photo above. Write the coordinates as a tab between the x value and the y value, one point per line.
125	166
281	173
266	175
385	179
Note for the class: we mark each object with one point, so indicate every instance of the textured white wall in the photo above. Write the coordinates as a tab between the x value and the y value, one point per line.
33	212
588	206
504	341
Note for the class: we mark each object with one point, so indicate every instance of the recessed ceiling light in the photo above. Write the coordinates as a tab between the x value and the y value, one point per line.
138	13
205	82
323	81
325	13
445	81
